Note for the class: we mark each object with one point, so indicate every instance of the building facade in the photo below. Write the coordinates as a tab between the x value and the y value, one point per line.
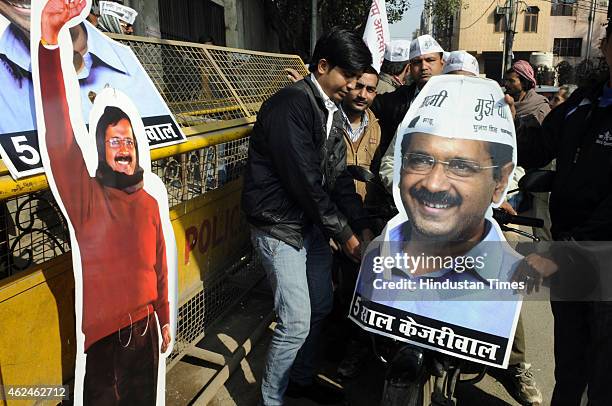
479	29
569	29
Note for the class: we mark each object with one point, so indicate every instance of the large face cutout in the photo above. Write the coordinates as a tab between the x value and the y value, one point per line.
446	186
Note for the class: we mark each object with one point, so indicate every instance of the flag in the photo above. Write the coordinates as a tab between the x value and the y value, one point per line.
376	33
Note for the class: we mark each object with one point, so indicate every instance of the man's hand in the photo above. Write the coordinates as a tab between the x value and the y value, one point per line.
352	249
293	75
532	270
505	206
510	102
166	338
56	14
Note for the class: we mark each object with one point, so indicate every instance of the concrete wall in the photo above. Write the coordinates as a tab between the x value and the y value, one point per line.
147	22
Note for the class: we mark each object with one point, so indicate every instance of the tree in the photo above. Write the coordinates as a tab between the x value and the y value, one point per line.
290	19
442	13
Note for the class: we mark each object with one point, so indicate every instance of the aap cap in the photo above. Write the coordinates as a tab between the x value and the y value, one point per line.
460	107
425	44
398	51
461	60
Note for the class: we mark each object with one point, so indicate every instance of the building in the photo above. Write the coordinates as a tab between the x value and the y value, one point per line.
569	29
479	29
232	23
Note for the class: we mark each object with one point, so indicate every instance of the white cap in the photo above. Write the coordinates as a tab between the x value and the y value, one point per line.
461	107
461	60
425	44
398	51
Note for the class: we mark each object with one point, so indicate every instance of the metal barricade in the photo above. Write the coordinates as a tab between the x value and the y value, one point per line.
214	93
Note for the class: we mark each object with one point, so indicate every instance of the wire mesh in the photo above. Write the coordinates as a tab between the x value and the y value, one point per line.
255	76
223	288
203	84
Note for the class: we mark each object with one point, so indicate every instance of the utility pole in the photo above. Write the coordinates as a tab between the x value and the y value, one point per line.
510	13
313	25
590	31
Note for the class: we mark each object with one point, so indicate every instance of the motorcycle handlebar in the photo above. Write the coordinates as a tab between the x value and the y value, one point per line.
503	218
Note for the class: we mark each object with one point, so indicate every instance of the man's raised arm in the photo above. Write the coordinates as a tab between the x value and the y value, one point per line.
67	163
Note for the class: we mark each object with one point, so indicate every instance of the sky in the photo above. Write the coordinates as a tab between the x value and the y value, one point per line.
412	19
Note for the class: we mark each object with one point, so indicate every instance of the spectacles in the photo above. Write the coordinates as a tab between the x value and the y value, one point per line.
115	143
423	164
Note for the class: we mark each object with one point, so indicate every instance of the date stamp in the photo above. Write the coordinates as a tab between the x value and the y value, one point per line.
34	392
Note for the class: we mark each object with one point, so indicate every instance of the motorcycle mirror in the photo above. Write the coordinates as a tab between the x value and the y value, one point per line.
537	181
360	173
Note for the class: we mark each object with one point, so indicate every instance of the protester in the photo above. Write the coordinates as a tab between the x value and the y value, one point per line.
390	108
395	67
520	83
574	134
362	138
296	190
461	63
561	96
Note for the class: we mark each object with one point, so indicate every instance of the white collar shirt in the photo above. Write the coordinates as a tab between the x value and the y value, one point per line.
329	105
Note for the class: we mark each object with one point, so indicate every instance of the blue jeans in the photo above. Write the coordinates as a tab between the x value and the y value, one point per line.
303	295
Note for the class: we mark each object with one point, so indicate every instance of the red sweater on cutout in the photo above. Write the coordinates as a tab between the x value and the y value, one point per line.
120	237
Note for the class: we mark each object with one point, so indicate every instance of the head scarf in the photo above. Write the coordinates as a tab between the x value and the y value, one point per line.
524	69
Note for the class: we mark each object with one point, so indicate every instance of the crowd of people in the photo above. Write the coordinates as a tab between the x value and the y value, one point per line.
302	204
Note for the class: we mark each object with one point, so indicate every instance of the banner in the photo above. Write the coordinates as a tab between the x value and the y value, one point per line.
440	274
99	62
376	34
124	255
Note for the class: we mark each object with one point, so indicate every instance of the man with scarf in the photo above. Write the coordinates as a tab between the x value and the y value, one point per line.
119	232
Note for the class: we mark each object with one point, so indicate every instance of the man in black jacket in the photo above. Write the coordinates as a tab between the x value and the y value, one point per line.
297	196
577	135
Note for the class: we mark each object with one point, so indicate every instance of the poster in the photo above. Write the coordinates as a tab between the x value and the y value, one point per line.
123	246
439	275
100	61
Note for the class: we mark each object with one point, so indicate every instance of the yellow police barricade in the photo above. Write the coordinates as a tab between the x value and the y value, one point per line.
214	93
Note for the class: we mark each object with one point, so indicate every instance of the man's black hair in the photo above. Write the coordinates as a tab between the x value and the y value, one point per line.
393	68
344	49
609	29
501	154
525	83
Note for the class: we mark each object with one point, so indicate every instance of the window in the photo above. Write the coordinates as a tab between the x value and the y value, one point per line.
531	19
500	23
563	8
567	46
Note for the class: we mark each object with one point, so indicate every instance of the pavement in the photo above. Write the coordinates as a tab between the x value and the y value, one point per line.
242	388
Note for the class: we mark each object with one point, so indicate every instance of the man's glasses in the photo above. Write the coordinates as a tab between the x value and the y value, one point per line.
115	143
423	164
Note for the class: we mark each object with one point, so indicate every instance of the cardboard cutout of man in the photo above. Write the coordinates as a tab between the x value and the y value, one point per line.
124	252
439	274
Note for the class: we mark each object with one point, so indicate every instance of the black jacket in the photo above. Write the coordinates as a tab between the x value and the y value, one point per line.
390	109
578	134
296	177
